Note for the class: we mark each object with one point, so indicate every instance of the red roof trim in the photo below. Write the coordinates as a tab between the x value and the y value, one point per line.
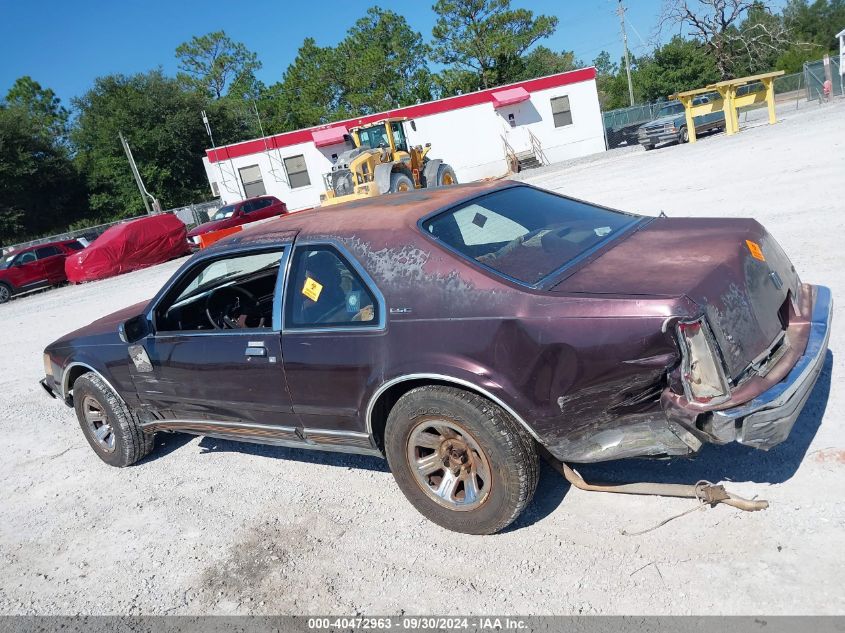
419	110
509	97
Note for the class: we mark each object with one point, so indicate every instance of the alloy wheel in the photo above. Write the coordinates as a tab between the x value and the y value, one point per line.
98	423
449	465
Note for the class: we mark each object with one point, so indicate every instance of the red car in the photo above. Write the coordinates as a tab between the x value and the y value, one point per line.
35	267
129	246
239	213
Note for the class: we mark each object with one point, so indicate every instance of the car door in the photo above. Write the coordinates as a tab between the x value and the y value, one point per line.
261	210
52	259
275	207
332	338
26	271
231	378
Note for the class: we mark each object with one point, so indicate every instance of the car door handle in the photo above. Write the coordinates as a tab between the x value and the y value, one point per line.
255	350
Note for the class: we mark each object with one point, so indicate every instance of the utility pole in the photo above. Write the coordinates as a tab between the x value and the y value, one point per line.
223	182
144	193
621	12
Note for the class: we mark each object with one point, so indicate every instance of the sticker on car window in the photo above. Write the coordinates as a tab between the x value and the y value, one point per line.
353	302
756	251
312	288
479	220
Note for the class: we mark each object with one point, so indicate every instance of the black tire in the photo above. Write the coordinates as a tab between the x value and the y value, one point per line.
400	182
648	147
446	176
507	448
683	135
5	292
130	443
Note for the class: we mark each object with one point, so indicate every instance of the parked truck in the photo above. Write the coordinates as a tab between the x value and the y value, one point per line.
670	123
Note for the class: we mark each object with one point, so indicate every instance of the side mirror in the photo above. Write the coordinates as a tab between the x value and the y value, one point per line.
134	329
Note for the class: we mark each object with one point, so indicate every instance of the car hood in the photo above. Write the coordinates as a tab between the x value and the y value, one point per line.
710	261
101	331
214	225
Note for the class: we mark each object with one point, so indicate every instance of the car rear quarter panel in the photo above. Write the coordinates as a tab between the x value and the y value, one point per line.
561	362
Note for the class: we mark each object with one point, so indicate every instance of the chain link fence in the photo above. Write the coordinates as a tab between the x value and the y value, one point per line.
191	215
814	78
620	126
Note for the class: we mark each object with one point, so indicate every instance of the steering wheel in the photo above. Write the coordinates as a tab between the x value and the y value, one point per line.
229	306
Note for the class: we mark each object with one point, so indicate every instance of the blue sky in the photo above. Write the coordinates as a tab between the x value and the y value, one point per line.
65	45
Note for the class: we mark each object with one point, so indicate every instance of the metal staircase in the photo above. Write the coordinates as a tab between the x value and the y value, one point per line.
527	160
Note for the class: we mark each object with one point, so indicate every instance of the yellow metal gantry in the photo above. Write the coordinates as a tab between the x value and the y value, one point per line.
730	101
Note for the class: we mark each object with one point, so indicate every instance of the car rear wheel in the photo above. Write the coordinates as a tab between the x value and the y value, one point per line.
5	293
460	460
108	424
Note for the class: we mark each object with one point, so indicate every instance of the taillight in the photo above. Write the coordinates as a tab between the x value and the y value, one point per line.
703	376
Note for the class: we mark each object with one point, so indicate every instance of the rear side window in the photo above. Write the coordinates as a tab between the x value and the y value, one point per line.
47	251
524	233
325	291
74	246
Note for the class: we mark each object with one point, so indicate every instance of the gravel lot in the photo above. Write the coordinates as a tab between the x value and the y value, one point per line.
209	526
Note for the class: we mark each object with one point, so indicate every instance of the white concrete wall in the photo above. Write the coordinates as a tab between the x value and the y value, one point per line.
469	139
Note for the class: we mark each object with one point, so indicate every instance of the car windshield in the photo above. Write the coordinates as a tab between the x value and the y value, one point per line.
525	233
668	110
4	263
224	212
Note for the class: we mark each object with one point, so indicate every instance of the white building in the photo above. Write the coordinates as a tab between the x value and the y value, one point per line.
554	118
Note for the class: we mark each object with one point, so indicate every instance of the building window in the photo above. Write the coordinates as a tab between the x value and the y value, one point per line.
297	171
560	111
215	190
252	181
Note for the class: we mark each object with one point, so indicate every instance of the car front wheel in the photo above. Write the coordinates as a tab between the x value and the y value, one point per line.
108	424
5	293
460	460
683	137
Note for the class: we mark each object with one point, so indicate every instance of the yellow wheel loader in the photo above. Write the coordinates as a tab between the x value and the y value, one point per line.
381	161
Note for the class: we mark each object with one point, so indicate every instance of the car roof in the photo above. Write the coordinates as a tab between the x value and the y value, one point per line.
391	212
26	249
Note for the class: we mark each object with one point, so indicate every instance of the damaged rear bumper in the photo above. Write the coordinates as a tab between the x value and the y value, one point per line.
674	429
766	420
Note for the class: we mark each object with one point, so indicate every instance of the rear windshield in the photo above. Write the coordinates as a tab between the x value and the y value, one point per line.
526	233
674	108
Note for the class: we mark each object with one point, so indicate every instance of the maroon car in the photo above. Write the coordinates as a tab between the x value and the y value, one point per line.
35	267
455	332
239	213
